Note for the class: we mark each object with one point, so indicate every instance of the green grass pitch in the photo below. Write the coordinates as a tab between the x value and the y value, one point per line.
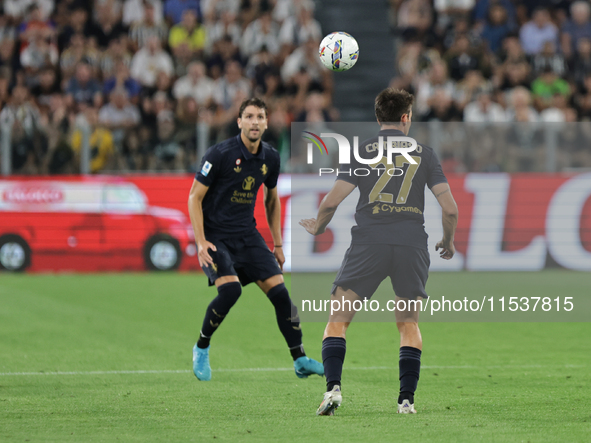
104	358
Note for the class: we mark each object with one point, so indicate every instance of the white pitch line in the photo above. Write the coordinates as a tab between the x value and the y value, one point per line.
186	371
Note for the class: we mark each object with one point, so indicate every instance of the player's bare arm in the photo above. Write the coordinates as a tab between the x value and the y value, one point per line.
340	190
198	191
449	219
273	213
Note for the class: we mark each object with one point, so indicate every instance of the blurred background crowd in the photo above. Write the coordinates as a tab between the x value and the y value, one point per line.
141	74
136	79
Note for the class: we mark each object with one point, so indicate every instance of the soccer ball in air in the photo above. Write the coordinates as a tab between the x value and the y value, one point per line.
338	51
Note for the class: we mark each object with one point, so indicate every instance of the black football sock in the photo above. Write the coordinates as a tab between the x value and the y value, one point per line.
333	357
410	369
297	352
287	319
219	307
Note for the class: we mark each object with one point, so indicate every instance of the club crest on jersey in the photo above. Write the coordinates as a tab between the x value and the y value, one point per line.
238	161
264	169
237	169
206	168
248	183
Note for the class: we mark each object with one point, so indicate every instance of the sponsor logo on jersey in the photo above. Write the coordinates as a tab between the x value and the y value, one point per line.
206	168
248	183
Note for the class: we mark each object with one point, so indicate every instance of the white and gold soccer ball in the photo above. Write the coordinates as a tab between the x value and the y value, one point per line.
338	51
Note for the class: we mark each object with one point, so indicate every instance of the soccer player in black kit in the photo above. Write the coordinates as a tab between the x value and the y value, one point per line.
389	240
231	251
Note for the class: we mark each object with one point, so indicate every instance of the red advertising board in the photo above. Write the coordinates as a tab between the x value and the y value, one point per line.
518	222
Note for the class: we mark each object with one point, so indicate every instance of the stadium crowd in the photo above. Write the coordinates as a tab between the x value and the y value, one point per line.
140	74
498	61
134	77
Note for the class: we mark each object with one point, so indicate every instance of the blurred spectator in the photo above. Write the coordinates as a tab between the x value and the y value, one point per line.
546	86
264	73
548	58
303	65
168	154
102	151
496	28
227	87
16	9
216	30
481	10
78	52
135	11
116	52
46	88
512	75
148	61
556	112
467	89
426	87
298	29
4	85
576	28
261	32
173	10
121	78
315	110
22	118
119	116
7	59
583	101
59	156
78	24
520	108
484	110
147	26
414	18
82	87
449	11
224	50
133	156
581	67
7	29
461	59
35	26
461	26
40	53
195	84
540	30
108	26
443	108
188	33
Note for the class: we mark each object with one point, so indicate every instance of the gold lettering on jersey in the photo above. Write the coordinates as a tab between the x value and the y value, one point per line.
264	169
248	183
394	208
237	169
245	198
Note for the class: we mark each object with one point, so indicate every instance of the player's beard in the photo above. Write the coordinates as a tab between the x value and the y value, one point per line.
254	139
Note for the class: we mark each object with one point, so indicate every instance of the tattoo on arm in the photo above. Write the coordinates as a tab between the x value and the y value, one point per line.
441	193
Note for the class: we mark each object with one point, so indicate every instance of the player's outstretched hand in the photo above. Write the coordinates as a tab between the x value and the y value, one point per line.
203	253
447	249
279	256
310	225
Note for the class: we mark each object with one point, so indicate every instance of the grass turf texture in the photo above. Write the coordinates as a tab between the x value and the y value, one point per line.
480	381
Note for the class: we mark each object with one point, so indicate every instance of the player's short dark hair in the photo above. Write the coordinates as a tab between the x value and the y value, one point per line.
391	104
257	102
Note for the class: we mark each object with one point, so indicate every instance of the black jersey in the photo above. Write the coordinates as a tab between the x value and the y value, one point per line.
234	176
392	196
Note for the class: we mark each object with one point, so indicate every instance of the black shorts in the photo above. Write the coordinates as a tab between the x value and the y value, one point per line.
365	266
247	257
